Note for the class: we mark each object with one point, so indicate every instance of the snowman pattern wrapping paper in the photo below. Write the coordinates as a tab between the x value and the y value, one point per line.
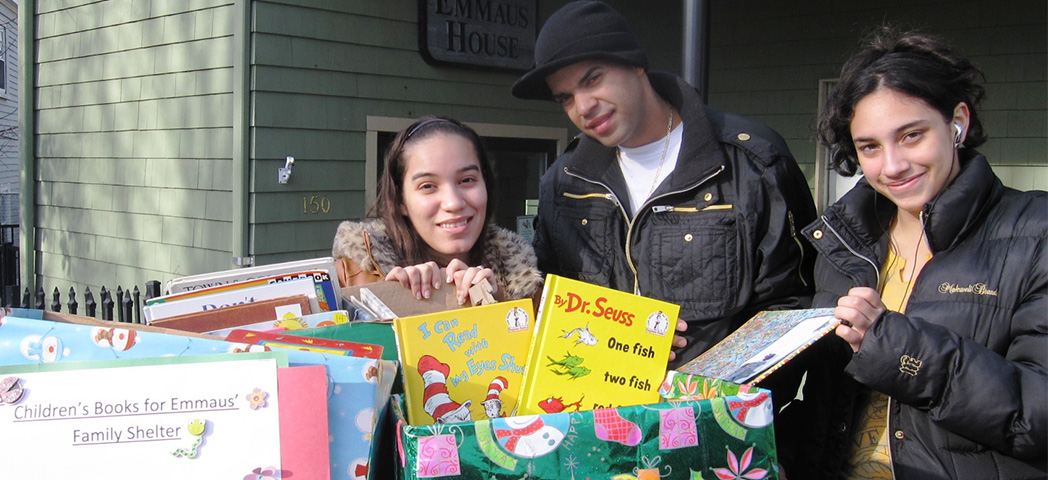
727	435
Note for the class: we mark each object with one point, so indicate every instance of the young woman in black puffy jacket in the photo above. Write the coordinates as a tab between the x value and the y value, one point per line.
938	273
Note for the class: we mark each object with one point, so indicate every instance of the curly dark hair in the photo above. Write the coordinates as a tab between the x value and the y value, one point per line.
409	245
912	63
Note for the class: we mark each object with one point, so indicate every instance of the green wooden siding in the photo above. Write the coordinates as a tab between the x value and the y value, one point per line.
134	105
134	140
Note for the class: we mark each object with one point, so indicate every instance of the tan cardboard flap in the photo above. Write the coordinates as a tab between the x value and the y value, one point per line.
400	300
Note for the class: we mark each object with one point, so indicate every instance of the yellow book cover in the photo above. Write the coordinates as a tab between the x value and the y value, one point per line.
595	347
464	364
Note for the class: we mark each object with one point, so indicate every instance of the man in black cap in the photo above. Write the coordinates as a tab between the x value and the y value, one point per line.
662	195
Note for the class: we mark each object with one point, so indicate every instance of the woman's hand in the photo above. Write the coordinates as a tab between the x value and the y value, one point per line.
465	277
422	279
857	312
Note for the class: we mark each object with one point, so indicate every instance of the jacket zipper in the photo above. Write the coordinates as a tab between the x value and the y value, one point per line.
889	435
793	233
615	199
670	208
629	223
607	196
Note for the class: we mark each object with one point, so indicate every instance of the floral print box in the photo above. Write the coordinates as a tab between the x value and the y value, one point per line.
704	429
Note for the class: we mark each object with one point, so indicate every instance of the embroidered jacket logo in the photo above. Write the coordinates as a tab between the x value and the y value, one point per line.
910	365
977	289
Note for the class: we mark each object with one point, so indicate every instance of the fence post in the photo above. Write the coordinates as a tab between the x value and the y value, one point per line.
56	301
10	295
119	307
27	299
125	307
107	304
89	302
72	301
137	295
41	297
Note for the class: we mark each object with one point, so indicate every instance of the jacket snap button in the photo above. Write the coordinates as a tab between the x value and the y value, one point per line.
843	427
817	234
584	221
687	237
899	434
707	197
744	136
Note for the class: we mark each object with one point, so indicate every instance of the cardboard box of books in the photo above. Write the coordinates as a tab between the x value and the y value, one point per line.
728	434
353	390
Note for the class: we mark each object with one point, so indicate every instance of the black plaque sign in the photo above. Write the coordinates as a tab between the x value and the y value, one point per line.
498	34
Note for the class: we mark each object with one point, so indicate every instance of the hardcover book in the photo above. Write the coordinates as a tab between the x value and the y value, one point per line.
464	364
319	299
595	347
270	311
229	298
323	345
330	289
289	324
762	345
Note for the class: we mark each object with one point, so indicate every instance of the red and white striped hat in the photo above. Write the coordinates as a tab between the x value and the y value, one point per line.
435	399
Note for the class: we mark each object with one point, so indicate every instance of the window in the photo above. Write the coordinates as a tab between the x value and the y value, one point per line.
3	59
829	186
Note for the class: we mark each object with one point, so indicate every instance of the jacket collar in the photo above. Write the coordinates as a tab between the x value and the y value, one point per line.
862	216
699	145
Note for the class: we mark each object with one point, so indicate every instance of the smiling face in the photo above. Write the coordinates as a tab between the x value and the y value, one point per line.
606	101
905	147
445	198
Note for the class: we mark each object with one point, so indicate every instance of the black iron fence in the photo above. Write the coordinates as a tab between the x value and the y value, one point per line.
8	257
119	305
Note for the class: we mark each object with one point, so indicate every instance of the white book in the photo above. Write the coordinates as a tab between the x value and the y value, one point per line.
229	298
207	280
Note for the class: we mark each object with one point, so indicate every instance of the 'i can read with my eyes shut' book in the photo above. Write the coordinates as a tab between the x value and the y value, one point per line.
595	347
464	364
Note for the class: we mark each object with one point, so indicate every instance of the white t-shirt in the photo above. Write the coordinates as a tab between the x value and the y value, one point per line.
640	164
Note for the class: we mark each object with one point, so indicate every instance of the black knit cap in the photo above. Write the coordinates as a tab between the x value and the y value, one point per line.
582	30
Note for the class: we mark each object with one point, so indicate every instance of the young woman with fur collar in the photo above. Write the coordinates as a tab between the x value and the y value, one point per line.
432	220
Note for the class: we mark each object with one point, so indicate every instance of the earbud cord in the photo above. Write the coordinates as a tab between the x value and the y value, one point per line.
924	218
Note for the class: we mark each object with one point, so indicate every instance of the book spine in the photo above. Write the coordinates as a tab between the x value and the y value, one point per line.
534	364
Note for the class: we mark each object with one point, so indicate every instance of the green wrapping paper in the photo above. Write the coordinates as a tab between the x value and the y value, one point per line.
720	430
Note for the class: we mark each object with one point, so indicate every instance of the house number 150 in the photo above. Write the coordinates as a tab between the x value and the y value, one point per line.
315	204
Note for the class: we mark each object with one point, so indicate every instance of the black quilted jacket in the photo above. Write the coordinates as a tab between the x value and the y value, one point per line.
965	367
720	236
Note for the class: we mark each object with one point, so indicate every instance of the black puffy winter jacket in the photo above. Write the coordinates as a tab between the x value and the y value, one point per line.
719	237
966	367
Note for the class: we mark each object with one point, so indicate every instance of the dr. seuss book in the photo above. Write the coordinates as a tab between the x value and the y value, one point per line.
464	364
763	344
596	347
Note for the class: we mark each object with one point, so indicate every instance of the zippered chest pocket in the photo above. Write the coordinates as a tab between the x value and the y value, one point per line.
583	225
694	258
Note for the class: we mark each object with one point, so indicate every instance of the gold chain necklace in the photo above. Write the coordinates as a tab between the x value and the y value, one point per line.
662	160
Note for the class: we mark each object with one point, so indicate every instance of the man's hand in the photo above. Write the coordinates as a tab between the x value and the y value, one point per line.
679	341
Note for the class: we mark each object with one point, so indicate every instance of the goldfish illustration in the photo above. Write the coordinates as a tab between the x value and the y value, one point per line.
557	405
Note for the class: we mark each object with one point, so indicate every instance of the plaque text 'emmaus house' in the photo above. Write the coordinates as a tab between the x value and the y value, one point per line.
498	34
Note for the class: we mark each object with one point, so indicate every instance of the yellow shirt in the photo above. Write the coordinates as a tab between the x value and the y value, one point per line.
870	457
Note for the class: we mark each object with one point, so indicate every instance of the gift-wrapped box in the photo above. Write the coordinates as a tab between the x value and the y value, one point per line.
357	387
705	428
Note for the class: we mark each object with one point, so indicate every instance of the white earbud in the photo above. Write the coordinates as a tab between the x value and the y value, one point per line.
960	133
